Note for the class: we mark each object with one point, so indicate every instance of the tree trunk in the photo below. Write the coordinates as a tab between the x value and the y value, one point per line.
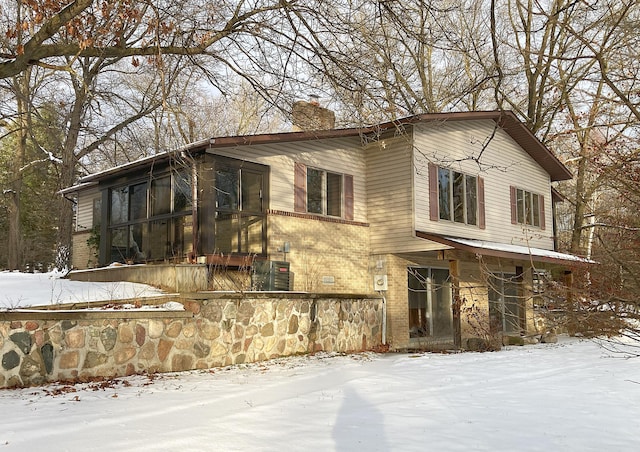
68	178
14	258
15	251
65	219
580	203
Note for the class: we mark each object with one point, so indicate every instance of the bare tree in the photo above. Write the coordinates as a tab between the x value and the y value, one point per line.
85	49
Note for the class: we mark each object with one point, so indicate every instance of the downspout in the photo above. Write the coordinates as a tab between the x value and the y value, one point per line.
73	201
384	318
380	283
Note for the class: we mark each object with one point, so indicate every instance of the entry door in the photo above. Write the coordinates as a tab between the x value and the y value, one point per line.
430	313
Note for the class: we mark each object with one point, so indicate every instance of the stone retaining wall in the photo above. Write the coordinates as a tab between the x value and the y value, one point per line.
214	330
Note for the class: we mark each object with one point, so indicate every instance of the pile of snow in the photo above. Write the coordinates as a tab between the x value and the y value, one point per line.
570	396
22	290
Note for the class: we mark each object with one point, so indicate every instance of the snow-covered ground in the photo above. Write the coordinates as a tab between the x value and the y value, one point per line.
21	290
570	396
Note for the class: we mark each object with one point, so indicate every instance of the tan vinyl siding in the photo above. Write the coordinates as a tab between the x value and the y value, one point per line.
502	164
344	156
84	212
389	192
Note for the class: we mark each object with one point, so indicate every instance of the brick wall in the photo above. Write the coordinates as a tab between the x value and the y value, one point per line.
397	301
82	256
326	256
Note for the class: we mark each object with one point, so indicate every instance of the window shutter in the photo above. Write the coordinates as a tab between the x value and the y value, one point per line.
481	214
433	192
299	189
542	221
348	197
514	206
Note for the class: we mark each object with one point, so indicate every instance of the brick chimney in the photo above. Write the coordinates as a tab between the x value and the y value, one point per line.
311	116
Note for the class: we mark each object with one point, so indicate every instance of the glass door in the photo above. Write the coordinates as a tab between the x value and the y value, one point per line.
430	312
505	312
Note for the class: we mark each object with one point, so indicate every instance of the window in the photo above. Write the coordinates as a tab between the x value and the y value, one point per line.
182	191
239	223
505	311
322	192
161	196
119	205
315	183
227	186
527	208
457	196
151	219
138	201
334	194
97	211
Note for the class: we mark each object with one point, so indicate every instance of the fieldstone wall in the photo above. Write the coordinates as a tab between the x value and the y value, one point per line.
214	330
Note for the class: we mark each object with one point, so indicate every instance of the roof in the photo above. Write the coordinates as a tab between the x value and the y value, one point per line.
506	250
222	142
507	120
76	188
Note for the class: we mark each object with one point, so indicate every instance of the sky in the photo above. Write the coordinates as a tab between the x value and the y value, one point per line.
576	395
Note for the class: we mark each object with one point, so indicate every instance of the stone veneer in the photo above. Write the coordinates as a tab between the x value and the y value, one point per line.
214	330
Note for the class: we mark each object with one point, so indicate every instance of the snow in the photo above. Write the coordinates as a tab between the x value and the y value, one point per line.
571	396
519	249
21	290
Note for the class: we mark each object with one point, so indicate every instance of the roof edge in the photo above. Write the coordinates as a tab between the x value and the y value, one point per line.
518	253
505	119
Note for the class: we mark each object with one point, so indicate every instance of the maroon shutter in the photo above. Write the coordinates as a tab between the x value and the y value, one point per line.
481	215
433	192
299	187
542	220
348	197
514	206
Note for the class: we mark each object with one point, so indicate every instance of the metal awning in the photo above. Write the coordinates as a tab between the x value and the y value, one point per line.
505	250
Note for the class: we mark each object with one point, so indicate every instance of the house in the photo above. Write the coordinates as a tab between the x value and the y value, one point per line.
449	216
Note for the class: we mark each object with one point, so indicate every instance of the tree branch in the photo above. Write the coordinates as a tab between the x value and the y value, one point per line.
34	46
